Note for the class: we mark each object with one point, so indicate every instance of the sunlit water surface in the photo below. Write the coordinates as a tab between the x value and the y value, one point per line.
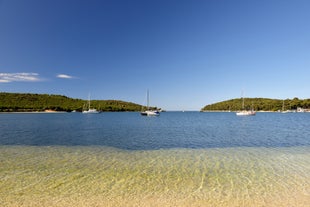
177	159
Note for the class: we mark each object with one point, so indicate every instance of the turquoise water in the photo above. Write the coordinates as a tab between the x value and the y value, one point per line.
177	159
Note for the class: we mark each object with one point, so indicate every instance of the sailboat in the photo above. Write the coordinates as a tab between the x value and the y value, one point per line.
284	112
244	112
149	112
90	110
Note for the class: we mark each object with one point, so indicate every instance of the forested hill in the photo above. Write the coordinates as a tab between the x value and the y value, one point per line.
258	104
21	102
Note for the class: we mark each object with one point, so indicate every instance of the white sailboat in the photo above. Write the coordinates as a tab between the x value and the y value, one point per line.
90	110
244	112
284	112
149	112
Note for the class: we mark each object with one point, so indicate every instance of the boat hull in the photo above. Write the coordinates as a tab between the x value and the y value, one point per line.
150	113
91	111
246	113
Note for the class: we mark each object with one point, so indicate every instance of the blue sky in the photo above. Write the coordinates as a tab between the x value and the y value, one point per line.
188	53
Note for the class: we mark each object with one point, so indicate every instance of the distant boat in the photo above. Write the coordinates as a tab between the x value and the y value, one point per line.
90	110
244	112
149	112
284	112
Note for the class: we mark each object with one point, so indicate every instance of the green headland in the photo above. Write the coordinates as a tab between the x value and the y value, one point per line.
259	104
27	102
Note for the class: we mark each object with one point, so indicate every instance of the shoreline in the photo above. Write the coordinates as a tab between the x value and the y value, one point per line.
214	111
35	112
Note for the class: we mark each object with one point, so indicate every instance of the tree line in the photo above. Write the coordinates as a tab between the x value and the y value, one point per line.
27	102
258	104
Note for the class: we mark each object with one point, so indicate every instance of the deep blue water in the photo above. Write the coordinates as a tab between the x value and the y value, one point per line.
170	130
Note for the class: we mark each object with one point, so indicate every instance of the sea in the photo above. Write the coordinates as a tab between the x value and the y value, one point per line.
175	159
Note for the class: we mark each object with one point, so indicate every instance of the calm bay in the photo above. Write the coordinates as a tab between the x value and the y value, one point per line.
176	159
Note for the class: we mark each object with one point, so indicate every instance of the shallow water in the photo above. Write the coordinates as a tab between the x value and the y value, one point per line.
178	159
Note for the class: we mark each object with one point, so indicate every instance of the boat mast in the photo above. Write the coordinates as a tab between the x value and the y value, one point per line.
88	101
148	99
242	103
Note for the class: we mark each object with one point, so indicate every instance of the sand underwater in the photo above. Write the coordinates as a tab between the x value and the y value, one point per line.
102	176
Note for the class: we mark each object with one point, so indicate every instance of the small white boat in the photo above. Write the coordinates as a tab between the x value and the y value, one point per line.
90	110
285	111
245	112
149	112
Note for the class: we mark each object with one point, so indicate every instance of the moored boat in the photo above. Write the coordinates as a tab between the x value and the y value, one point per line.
244	112
90	110
149	112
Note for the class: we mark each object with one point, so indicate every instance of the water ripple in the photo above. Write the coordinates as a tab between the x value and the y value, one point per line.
170	130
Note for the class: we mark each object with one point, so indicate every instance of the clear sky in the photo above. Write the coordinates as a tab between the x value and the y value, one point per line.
188	53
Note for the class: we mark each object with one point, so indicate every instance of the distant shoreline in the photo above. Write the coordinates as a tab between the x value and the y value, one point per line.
214	111
34	112
28	102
